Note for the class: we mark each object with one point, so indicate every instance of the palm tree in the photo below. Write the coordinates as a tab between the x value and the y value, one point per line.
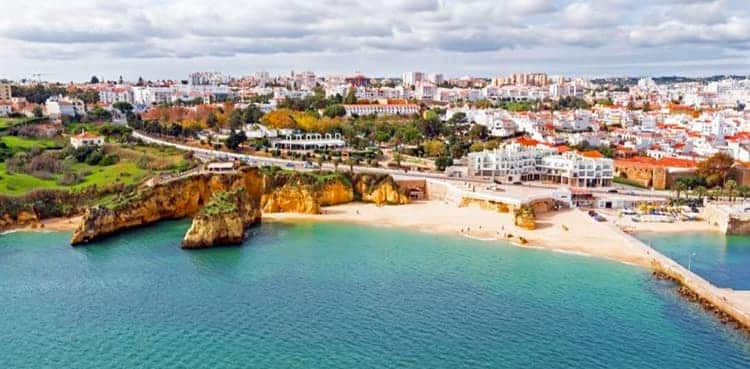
716	193
744	191
679	187
700	191
730	186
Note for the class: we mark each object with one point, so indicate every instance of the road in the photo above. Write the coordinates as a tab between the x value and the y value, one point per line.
287	163
298	165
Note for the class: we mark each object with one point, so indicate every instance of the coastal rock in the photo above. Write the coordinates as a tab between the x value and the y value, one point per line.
525	217
268	189
379	189
22	218
222	221
170	200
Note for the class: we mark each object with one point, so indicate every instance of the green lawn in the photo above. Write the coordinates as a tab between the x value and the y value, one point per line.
123	172
18	184
16	143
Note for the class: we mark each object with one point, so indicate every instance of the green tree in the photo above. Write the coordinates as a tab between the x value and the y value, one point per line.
37	111
351	96
434	148
123	106
94	80
235	139
730	186
235	119
716	168
679	187
334	110
212	120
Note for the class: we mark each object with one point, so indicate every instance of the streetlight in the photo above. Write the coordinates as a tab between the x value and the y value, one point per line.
690	259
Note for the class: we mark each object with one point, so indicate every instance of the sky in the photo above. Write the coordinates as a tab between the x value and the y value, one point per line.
167	39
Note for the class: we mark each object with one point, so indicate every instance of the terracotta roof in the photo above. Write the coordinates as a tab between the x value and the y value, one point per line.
592	154
663	162
84	135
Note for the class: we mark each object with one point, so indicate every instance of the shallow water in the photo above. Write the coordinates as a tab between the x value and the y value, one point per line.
326	295
722	260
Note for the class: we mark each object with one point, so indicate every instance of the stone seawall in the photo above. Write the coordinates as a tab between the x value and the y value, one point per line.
726	219
734	304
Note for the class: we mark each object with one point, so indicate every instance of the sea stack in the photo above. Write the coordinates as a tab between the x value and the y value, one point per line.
222	221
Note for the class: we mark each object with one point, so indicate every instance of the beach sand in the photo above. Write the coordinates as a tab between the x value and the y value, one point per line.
583	236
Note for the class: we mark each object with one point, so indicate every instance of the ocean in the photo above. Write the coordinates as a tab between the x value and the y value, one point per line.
330	295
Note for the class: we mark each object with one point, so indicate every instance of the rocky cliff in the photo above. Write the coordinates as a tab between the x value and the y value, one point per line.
378	189
267	189
222	221
171	200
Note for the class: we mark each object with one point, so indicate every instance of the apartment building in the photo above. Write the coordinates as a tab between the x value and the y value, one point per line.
5	92
517	162
381	109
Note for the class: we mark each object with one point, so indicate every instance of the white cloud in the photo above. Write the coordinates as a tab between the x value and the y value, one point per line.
145	29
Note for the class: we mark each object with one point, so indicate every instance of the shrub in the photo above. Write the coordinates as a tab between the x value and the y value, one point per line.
94	158
109	160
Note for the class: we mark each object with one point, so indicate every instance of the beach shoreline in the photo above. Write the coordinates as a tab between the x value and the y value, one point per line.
567	231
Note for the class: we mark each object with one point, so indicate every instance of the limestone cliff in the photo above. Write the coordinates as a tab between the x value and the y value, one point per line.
378	189
267	189
525	217
21	218
176	199
222	221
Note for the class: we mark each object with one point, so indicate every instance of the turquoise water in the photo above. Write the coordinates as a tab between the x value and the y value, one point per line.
722	260
340	296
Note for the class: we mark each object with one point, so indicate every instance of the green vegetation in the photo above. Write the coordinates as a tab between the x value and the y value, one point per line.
221	202
16	143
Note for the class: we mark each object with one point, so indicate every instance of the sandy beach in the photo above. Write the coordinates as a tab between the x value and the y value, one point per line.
583	235
51	224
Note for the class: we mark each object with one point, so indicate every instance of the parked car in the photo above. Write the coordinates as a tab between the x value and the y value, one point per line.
518	183
592	213
289	165
600	218
612	190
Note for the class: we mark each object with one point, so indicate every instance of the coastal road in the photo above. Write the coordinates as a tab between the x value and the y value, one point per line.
291	164
525	190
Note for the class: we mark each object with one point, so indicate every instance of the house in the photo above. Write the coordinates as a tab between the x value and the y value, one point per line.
58	106
84	139
5	108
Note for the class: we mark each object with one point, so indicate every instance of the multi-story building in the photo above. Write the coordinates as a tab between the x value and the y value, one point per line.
524	162
5	92
58	106
587	169
512	162
381	109
111	95
412	78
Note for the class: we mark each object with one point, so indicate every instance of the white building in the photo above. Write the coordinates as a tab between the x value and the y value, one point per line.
381	109
516	162
509	163
111	95
576	169
58	106
84	139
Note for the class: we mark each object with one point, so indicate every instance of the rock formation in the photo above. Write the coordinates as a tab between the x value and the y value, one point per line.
222	221
267	189
525	217
378	189
171	200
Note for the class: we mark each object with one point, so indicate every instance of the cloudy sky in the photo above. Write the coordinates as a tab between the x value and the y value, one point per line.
74	39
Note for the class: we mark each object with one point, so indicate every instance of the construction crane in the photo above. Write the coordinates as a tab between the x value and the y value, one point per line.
38	76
